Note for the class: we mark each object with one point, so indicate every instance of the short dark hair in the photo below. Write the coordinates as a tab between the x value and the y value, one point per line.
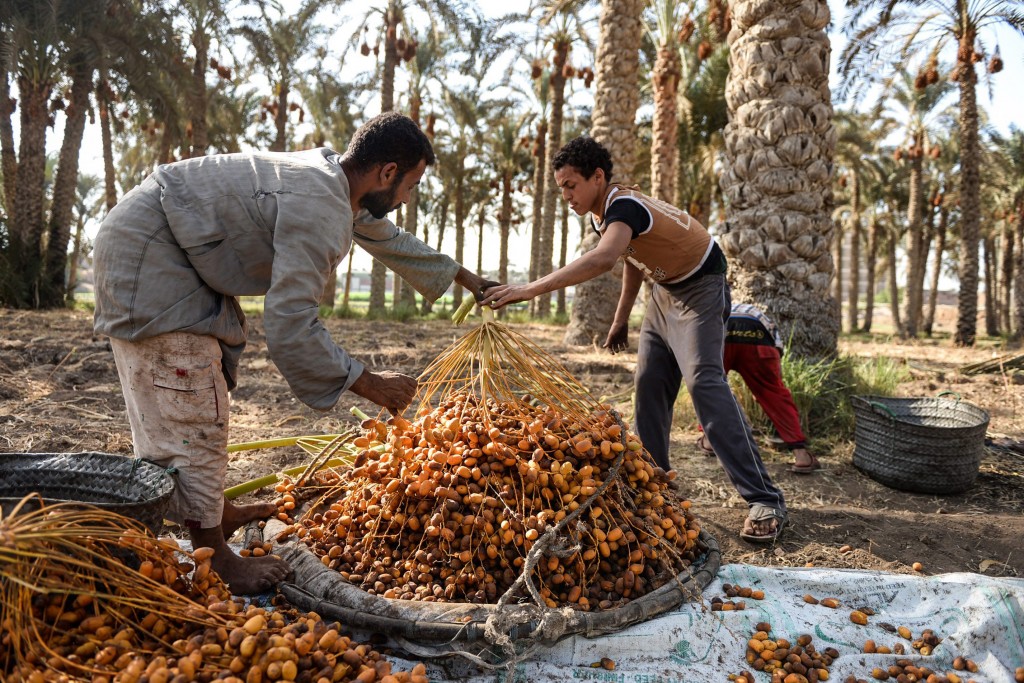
389	137
586	155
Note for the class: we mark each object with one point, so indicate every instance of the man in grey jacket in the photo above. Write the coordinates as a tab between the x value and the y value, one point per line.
175	253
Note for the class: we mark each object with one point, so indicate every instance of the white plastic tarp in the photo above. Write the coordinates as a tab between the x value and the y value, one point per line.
977	617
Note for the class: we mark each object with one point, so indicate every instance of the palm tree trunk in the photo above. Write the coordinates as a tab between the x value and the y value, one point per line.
412	216
563	248
280	143
198	96
396	281
1006	280
777	180
1018	280
540	156
8	157
915	262
991	271
103	94
665	127
378	271
53	290
460	233
940	247
894	287
928	231
392	19
970	198
551	190
442	214
76	254
616	100
855	235
870	268
505	225
481	218
348	278
837	262
27	224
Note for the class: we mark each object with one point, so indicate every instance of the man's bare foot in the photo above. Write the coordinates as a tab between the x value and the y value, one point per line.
763	524
244	575
249	575
236	516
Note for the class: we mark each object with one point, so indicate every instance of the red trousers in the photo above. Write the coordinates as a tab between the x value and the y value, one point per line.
761	369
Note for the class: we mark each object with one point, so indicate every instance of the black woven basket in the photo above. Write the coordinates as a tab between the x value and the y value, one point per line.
129	486
924	445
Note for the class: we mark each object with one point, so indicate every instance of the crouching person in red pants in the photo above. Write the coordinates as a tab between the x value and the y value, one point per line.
753	348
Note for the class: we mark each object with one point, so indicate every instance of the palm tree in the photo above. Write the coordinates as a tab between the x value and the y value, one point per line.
279	39
919	105
616	100
665	79
777	180
508	154
885	33
856	152
563	28
1011	157
86	209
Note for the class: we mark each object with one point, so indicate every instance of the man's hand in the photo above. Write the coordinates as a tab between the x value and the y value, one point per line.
503	295
618	338
391	390
474	283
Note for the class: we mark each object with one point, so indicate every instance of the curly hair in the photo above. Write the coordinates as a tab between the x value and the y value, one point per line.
586	155
389	137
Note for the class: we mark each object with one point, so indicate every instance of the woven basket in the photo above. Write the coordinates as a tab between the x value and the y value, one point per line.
924	445
129	486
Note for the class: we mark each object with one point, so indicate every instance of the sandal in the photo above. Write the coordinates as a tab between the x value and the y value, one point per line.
760	514
702	444
809	468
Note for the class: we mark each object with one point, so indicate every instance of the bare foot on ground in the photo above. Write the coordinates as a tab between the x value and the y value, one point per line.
237	516
244	575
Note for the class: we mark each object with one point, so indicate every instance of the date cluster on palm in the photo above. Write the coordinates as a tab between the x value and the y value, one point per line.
509	474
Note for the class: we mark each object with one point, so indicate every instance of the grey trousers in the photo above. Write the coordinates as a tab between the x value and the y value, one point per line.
683	339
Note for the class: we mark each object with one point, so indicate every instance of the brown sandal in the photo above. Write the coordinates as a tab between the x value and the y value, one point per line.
702	444
809	468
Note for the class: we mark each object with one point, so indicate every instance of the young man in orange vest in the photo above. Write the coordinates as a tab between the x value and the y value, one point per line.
683	332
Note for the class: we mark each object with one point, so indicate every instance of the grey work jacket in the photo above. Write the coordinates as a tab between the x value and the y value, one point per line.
176	251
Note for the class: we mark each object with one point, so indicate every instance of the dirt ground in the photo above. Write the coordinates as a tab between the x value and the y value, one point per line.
59	393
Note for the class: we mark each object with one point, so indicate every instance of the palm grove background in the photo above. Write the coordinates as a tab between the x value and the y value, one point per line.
721	108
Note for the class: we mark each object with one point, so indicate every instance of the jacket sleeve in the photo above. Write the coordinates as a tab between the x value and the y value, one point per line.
429	271
308	242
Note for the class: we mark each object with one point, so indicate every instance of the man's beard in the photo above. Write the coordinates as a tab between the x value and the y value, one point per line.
381	202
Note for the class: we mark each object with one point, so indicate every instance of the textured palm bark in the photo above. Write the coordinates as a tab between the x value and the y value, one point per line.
940	247
53	286
1006	276
988	244
539	155
970	199
103	97
665	127
855	237
870	267
894	287
915	239
378	271
552	193
616	99
1018	279
8	157
779	143
197	99
27	225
